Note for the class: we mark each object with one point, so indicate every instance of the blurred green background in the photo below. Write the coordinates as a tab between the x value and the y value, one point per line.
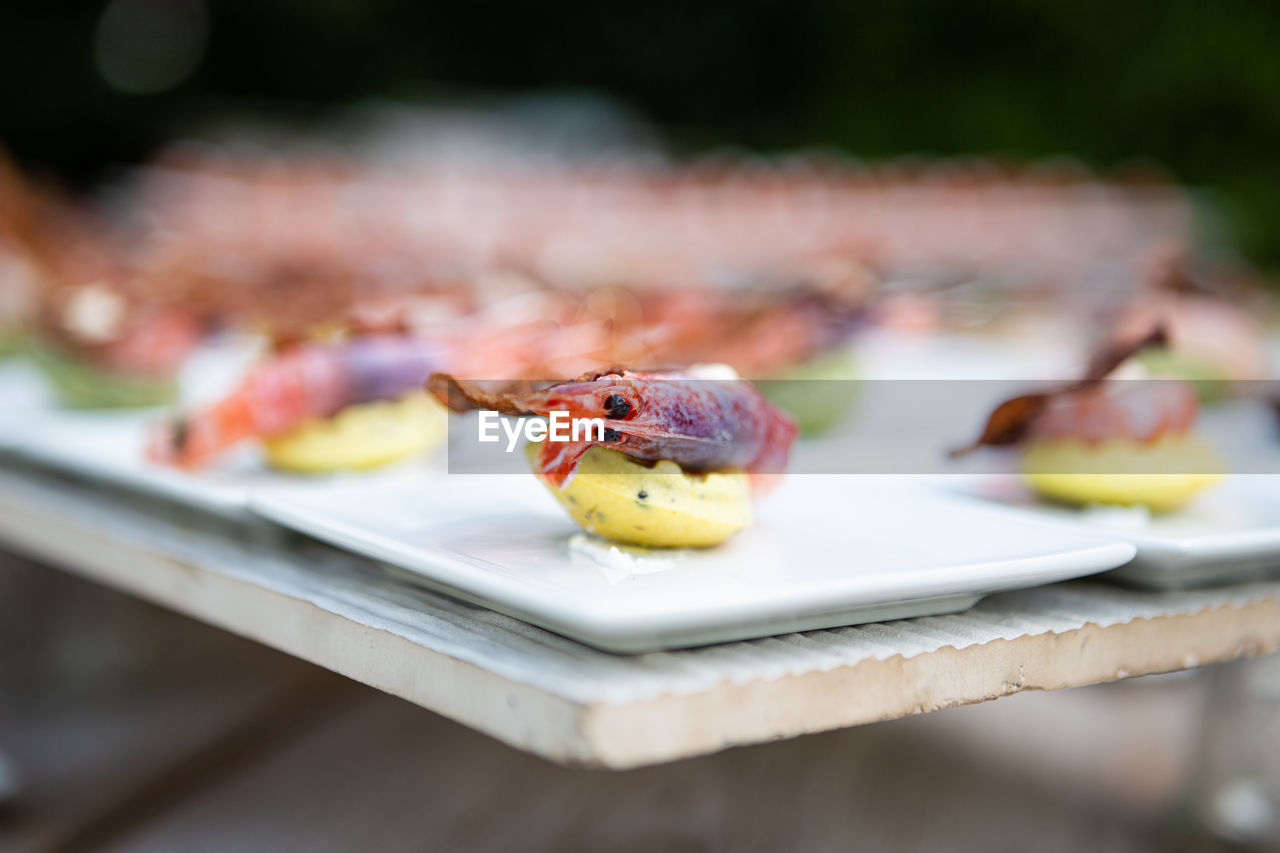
1193	86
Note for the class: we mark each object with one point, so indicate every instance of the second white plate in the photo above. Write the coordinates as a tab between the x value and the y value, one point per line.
1228	535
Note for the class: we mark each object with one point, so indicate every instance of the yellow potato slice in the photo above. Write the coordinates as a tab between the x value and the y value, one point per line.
1163	476
363	436
660	507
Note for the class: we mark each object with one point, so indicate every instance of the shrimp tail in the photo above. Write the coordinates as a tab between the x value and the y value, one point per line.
190	442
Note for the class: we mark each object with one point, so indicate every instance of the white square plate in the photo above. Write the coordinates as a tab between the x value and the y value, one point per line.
1227	535
22	392
825	551
109	447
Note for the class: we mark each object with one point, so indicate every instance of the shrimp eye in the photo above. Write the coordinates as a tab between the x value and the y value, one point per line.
616	406
612	434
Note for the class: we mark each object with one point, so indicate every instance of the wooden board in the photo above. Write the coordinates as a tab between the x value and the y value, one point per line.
566	702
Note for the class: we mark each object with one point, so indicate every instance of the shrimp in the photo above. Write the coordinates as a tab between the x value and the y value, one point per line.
304	382
1139	411
702	425
1092	410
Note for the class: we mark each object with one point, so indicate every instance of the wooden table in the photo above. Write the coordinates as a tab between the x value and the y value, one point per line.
573	704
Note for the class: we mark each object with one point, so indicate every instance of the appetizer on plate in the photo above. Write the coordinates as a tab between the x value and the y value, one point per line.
105	334
102	349
320	407
673	467
1118	442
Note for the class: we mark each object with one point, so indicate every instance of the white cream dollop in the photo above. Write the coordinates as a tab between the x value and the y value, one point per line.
713	372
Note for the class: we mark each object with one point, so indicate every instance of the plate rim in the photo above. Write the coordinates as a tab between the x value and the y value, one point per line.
1087	558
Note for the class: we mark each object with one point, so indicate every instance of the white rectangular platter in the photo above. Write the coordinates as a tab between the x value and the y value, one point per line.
825	551
22	392
109	447
1227	535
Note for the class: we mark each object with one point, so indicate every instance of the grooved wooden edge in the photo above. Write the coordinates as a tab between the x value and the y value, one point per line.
669	727
871	690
